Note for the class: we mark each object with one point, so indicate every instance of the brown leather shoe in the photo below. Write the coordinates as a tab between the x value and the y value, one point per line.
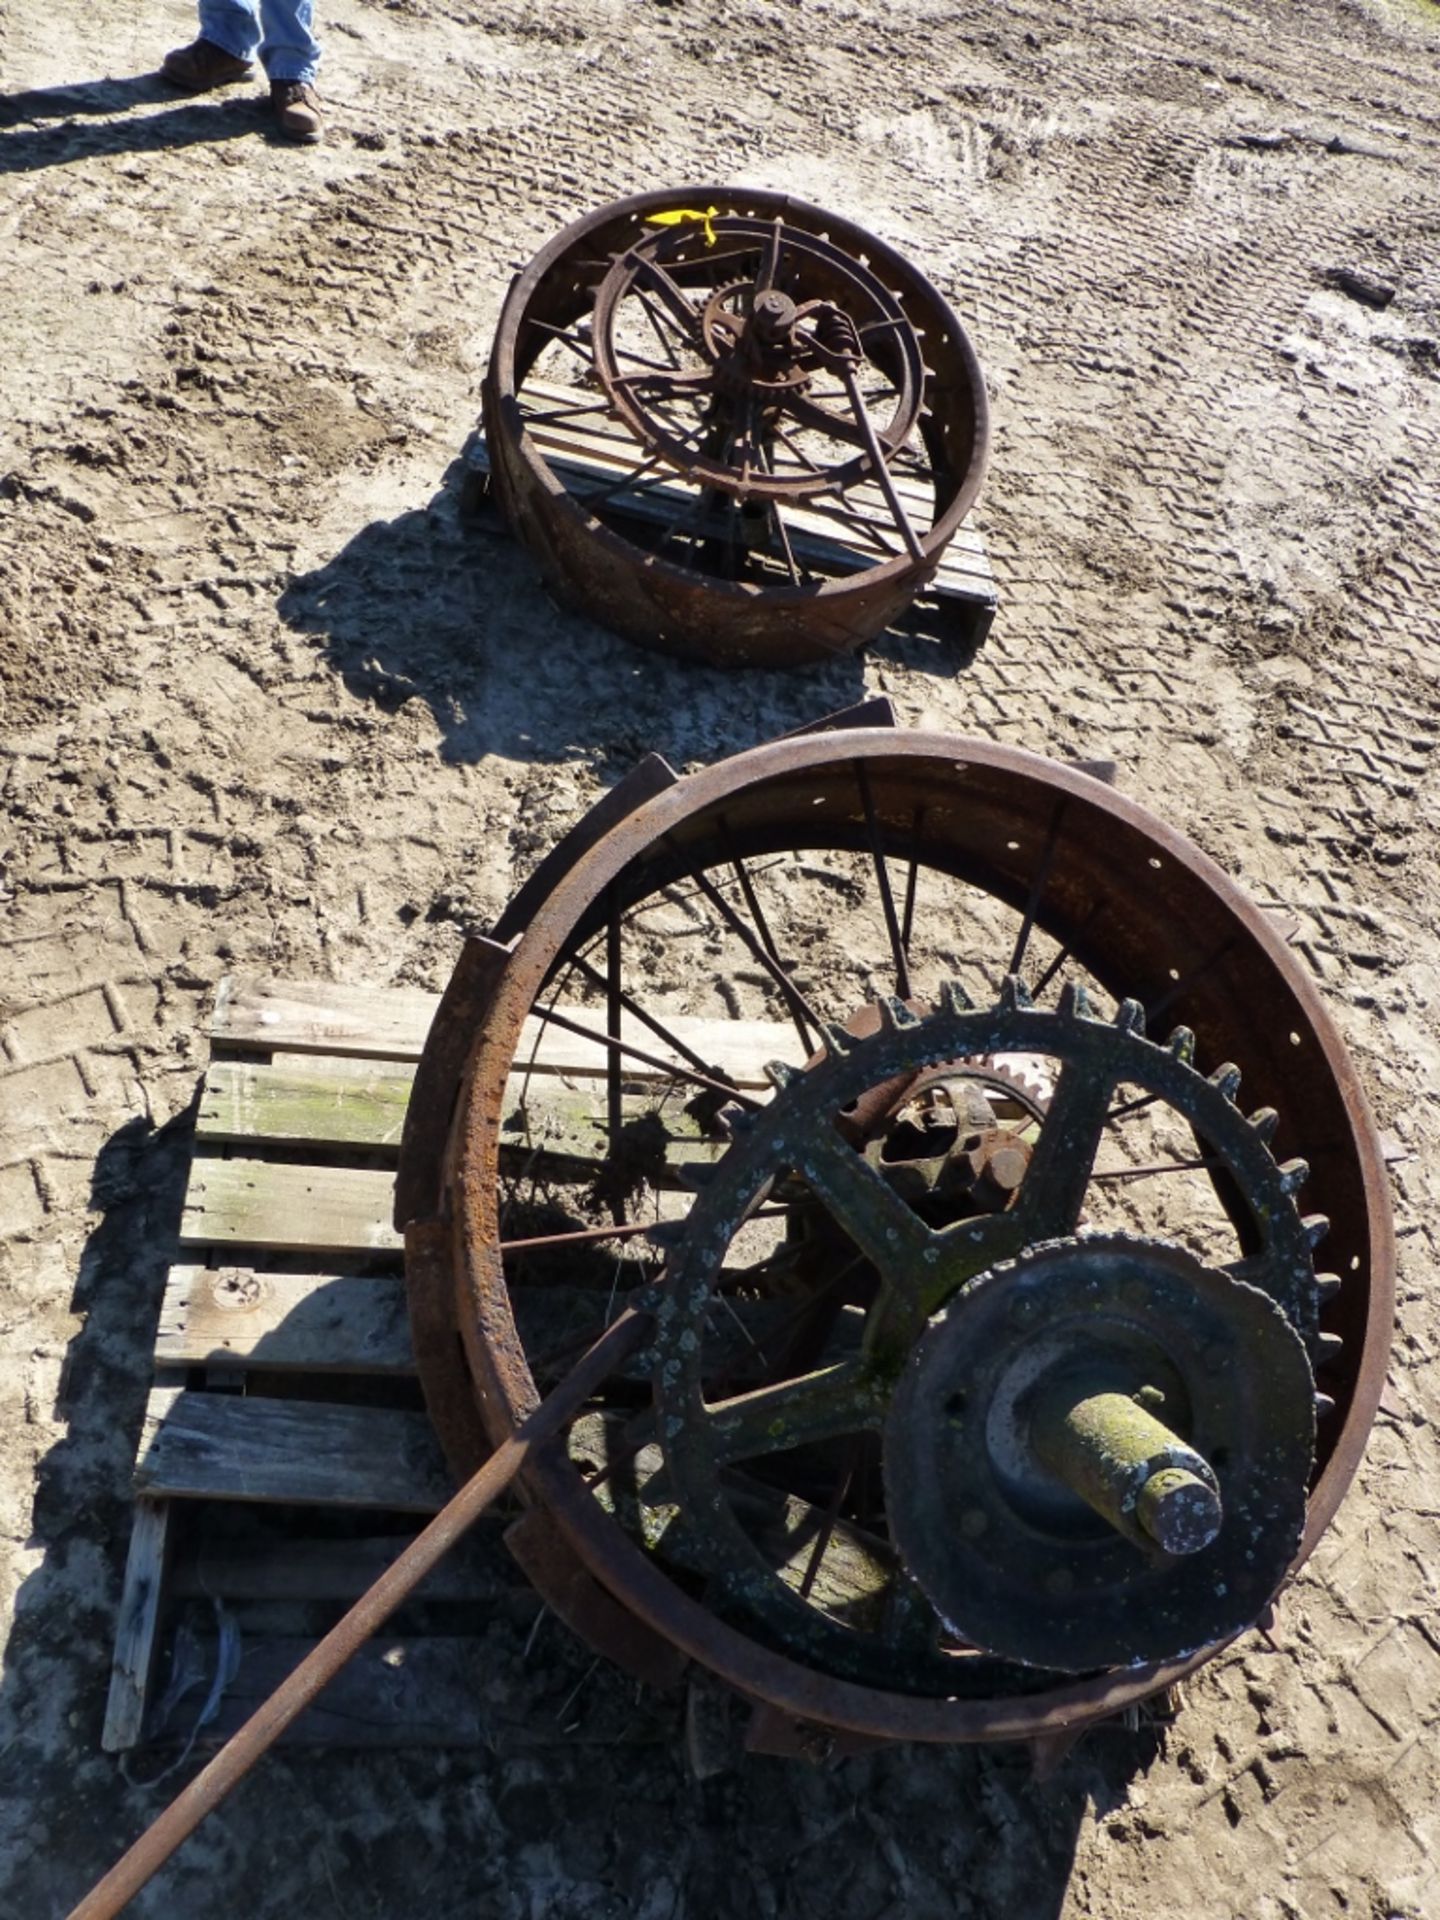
201	66
297	109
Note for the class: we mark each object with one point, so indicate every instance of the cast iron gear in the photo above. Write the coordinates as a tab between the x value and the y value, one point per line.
920	1269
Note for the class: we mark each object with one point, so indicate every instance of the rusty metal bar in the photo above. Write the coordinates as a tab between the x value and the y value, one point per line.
239	1754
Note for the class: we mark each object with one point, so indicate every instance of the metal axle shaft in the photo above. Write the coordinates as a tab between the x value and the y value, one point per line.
1111	1450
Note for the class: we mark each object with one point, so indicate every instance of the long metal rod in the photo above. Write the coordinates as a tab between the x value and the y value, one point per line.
912	877
882	472
290	1699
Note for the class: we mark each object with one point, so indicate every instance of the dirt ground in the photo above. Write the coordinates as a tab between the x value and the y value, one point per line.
267	705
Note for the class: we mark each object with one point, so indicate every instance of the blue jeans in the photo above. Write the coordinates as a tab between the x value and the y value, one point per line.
280	34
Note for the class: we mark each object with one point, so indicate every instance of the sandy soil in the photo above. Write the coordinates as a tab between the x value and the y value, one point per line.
265	706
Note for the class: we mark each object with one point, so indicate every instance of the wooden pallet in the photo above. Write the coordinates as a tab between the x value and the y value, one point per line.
285	1456
589	447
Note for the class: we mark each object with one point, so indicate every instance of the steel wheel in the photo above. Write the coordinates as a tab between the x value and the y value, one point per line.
733	426
785	1556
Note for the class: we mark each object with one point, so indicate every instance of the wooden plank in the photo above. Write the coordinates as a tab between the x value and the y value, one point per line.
326	1101
284	1208
445	1691
390	1023
137	1628
321	1323
825	544
597	436
324	1016
287	1569
393	1692
853	1572
344	1212
594	446
211	1446
250	1320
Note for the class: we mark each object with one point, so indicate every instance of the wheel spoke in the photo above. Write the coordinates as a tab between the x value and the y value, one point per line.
1037	890
656	382
792	1413
898	954
673	298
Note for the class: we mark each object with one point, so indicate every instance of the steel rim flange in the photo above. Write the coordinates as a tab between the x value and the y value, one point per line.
1065	853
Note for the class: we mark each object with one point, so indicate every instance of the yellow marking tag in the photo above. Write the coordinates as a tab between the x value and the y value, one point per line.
704	215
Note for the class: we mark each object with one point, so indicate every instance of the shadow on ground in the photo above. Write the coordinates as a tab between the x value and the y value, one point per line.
450	608
46	127
57	1661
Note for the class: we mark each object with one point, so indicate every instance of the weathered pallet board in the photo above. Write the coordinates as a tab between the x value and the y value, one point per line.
301	1099
137	1634
306	1100
848	1573
290	1209
325	1017
307	1075
441	1692
214	1446
285	1569
310	1322
962	574
427	1692
253	1321
274	1206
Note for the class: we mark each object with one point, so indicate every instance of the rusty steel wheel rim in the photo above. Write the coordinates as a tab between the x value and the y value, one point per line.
730	582
1114	892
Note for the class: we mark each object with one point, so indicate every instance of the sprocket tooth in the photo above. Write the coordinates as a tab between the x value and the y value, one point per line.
894	1013
1324	1406
1316	1226
1265	1121
1293	1175
954	998
1075	1002
1227	1079
837	1041
1130	1017
1327	1285
1014	994
1328	1349
781	1074
1181	1046
736	1120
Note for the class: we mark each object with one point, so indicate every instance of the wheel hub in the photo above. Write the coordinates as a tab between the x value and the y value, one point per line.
1099	1453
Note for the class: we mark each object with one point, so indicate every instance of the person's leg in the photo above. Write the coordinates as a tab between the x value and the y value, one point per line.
229	36
289	49
291	55
232	26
